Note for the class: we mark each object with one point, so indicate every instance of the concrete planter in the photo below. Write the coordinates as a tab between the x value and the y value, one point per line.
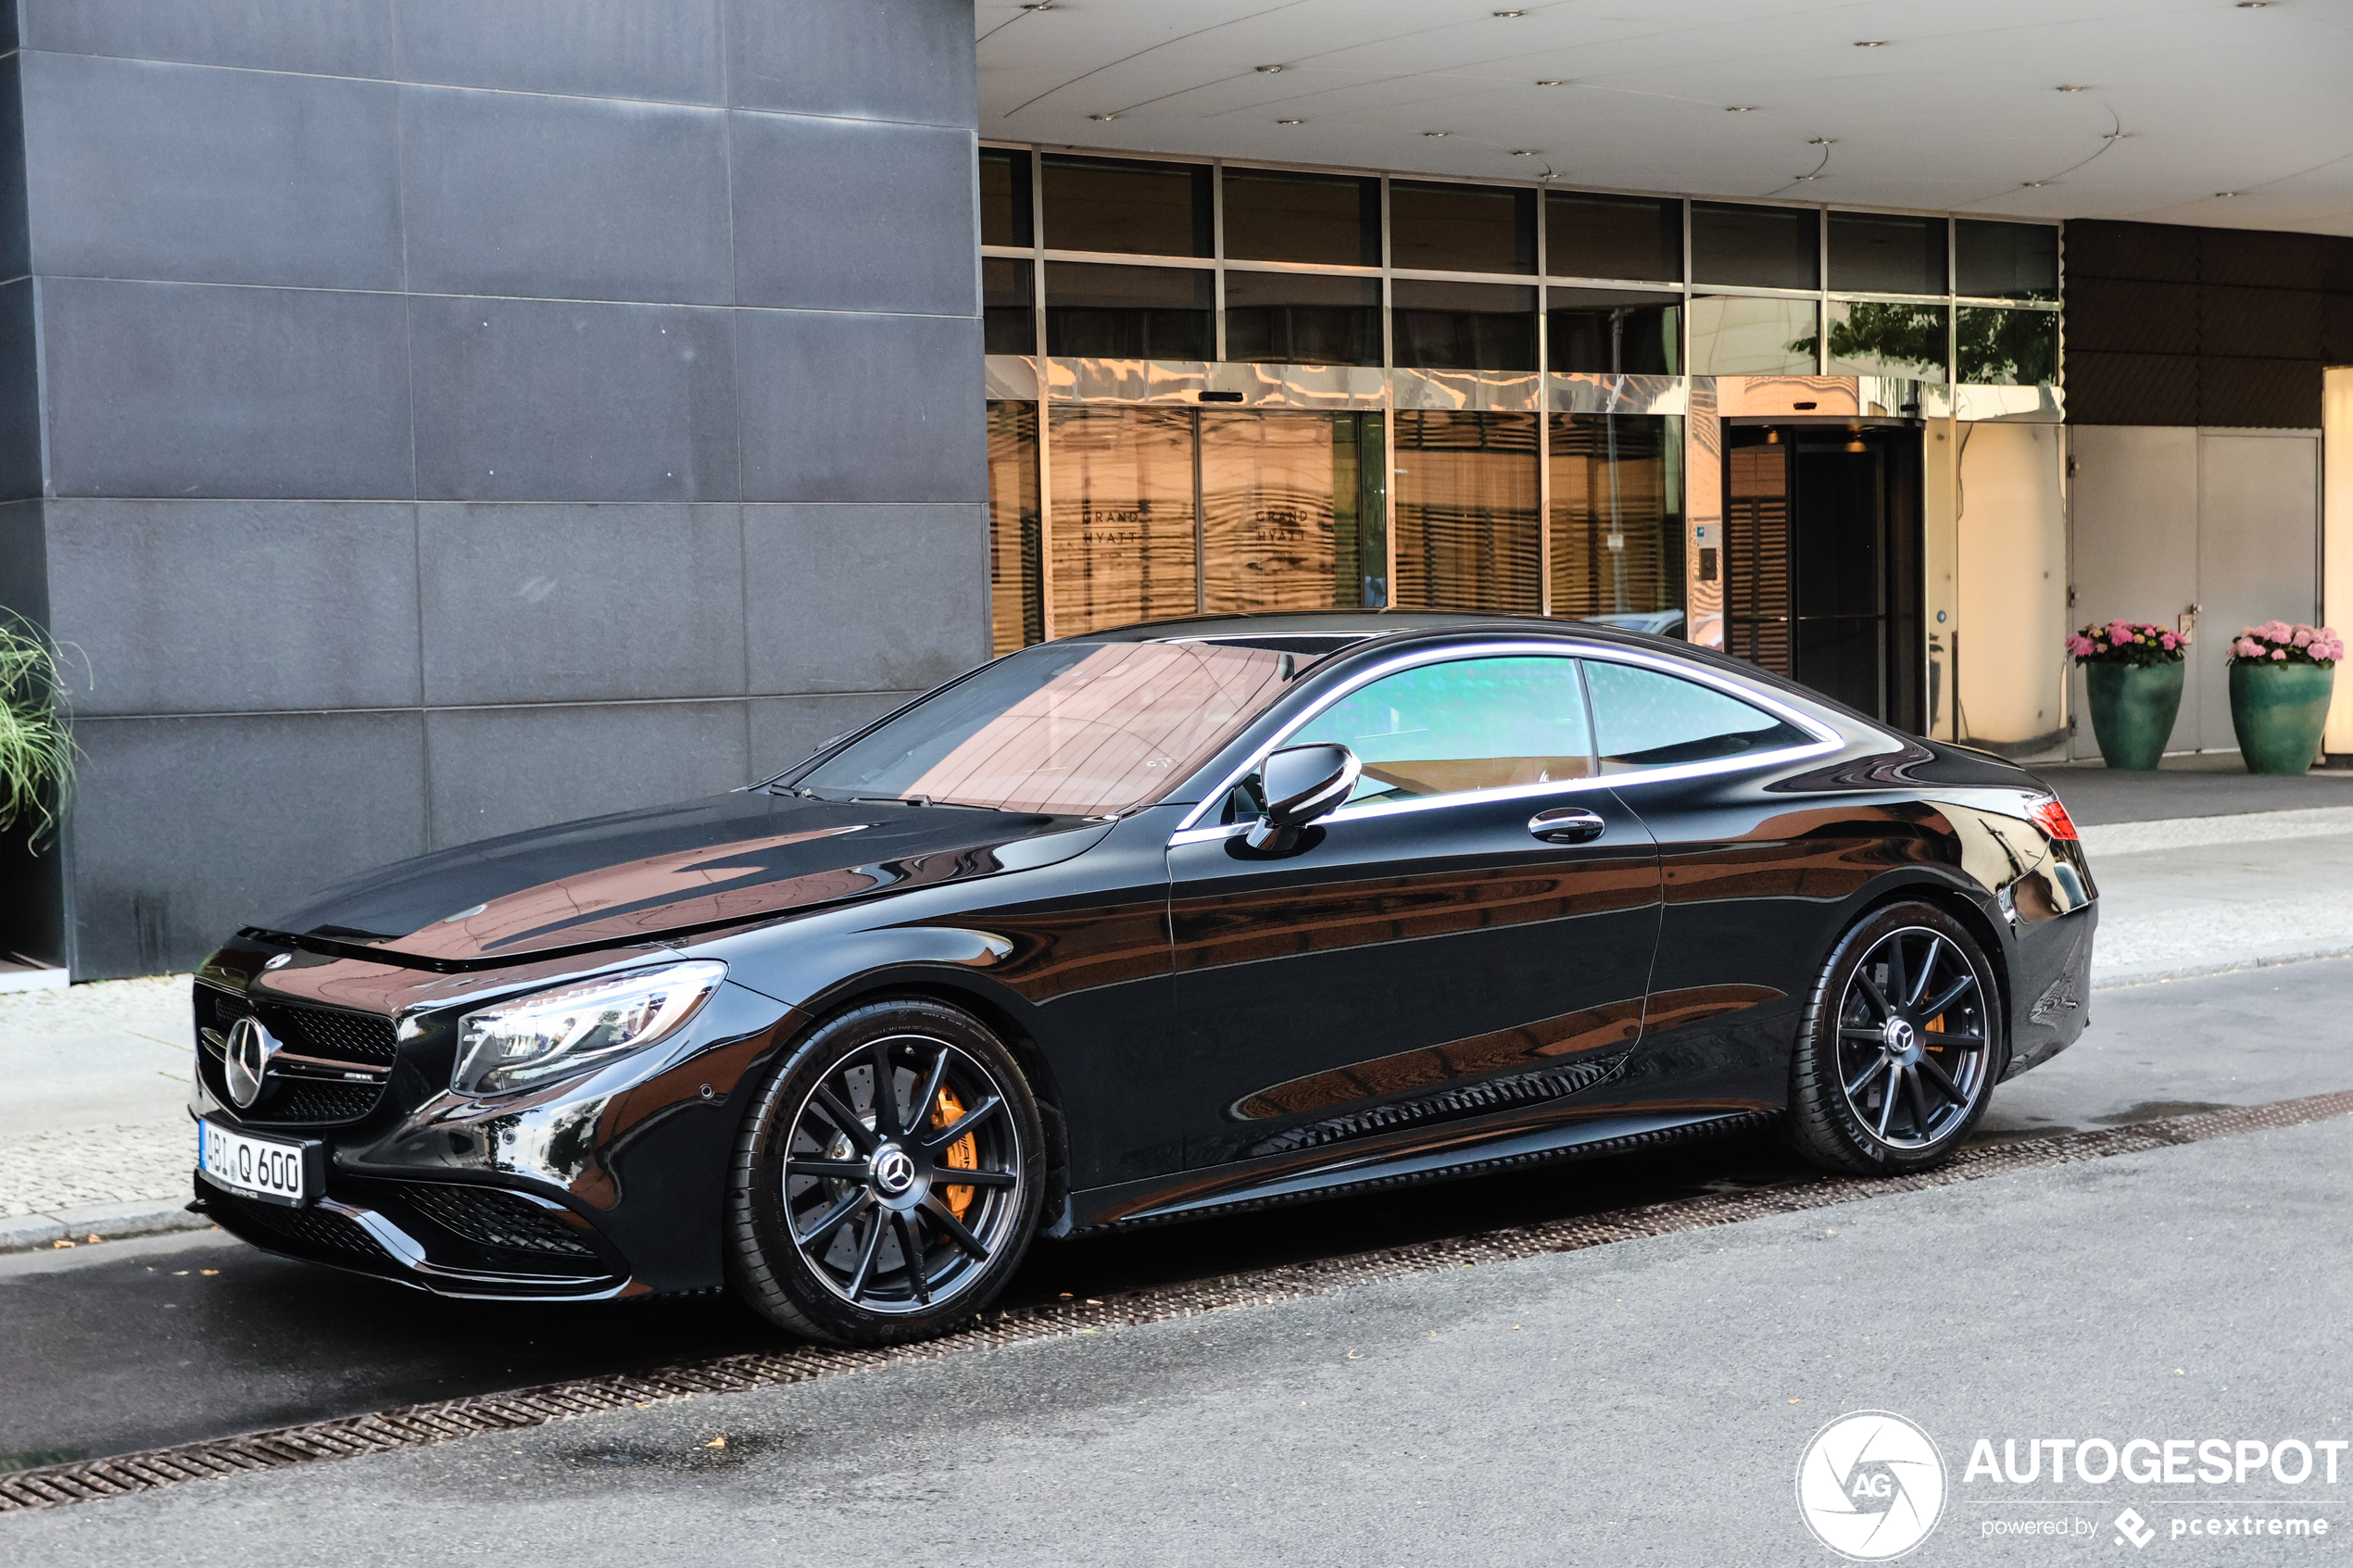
2132	710
2278	710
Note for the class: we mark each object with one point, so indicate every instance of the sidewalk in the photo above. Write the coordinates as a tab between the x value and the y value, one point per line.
94	1138
94	1132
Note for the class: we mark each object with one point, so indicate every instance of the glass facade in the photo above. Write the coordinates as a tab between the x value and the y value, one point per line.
1760	248
1017	538
1467	510
1613	331
1871	337
1740	335
1302	318
1285	215
1617	516
1129	312
1442	325
1419	357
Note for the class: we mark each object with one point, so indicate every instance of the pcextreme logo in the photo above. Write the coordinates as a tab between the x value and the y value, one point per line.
1870	1485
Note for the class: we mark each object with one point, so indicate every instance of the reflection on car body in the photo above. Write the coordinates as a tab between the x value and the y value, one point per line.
1144	924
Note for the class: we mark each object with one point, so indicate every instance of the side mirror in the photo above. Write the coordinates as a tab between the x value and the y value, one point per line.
1302	783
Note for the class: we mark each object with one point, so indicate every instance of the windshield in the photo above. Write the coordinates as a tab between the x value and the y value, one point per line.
1076	729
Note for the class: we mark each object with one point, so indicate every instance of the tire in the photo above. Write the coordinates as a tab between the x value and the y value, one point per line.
1900	1048
827	1206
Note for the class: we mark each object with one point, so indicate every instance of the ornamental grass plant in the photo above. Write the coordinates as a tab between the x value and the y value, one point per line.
36	743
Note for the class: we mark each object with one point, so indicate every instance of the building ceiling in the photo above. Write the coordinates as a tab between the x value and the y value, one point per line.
1960	106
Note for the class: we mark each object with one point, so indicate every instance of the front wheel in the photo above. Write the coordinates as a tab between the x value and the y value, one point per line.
887	1180
1900	1045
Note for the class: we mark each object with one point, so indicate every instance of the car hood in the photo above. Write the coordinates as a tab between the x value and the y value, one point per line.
666	871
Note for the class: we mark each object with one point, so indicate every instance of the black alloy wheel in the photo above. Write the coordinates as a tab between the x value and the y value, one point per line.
1900	1047
887	1180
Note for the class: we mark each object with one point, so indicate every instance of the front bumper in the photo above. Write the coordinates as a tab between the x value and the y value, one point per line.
612	1184
452	1239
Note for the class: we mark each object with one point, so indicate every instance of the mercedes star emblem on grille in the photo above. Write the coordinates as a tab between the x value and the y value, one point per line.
245	1065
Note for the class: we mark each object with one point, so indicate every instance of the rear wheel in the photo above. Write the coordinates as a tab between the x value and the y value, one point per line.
887	1180
1900	1046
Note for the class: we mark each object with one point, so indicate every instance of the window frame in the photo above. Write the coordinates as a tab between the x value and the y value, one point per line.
1189	830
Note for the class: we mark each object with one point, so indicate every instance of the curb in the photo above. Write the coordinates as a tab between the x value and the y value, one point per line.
2133	977
97	1221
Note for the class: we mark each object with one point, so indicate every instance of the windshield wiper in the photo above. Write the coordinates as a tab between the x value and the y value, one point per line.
919	800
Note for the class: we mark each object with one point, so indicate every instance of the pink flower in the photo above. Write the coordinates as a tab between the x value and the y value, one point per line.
2247	647
2276	631
2120	631
2279	653
2168	640
2302	637
2078	646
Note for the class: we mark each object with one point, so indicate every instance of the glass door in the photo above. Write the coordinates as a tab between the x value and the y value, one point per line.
1822	561
1284	503
1124	539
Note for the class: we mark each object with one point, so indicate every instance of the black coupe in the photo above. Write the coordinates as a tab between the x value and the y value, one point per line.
1136	926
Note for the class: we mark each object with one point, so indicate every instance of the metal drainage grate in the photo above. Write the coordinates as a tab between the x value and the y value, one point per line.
416	1426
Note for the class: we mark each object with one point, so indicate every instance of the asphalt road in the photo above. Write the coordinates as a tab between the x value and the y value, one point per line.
1646	1402
114	1348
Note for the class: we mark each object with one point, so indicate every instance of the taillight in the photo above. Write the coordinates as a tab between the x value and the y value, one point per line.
2052	818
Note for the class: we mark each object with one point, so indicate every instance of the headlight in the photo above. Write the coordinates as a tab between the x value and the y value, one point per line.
555	1033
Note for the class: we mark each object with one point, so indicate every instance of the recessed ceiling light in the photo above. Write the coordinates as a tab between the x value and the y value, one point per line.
1739	108
1805	177
2073	87
1524	152
2255	4
1552	81
2226	192
1871	43
1819	140
2115	135
1436	133
1039	6
1290	122
1268	71
1103	117
2033	184
1511	13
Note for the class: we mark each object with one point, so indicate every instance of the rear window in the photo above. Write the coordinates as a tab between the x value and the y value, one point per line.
1643	719
1075	728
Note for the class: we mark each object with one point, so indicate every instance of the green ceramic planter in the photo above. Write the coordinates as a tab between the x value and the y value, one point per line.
2132	709
2278	710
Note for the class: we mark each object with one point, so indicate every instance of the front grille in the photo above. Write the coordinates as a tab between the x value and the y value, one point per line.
496	1219
296	1101
359	1037
310	1232
329	1033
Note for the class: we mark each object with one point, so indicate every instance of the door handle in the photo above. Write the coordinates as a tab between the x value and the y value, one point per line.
1567	825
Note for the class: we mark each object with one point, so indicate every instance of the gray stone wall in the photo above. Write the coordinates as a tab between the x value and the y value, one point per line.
435	417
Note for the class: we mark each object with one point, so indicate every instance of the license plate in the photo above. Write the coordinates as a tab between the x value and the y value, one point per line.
269	1169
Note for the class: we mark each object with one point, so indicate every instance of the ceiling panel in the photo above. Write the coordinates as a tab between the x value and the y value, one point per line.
1958	107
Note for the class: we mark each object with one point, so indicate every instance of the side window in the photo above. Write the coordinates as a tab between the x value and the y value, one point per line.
1647	719
1465	725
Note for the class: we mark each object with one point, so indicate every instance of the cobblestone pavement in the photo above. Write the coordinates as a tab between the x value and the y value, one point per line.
82	1165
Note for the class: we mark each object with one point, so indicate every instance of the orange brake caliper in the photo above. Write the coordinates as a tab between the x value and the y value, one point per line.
963	1155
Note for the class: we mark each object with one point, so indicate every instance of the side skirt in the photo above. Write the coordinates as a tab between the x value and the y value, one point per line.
1237	1189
